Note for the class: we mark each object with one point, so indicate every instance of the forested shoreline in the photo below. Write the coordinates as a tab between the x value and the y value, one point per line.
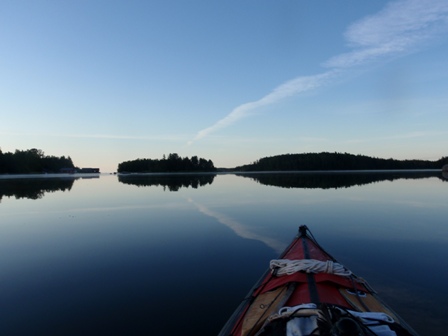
172	163
336	161
32	161
35	161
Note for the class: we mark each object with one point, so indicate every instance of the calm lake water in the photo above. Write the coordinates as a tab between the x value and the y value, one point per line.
174	255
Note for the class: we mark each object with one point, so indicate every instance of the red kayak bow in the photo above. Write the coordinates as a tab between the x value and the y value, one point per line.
307	292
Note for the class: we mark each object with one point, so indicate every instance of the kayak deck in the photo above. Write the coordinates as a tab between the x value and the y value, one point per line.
307	289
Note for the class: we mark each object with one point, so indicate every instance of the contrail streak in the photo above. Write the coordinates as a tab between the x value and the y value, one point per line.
290	88
395	30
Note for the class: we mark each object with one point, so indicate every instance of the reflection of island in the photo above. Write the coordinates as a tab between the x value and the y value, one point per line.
445	172
33	188
333	180
171	181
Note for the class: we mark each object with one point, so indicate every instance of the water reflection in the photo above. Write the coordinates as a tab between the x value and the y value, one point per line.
239	229
334	180
445	175
104	258
34	188
172	182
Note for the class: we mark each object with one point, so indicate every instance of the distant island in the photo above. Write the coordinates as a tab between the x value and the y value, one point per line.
34	161
172	163
287	162
336	161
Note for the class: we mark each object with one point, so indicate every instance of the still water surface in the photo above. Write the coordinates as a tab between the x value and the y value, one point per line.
174	255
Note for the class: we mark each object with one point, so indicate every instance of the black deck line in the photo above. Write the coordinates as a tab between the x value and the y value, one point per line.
314	295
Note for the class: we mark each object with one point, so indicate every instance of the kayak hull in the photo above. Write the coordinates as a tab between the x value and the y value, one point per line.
326	291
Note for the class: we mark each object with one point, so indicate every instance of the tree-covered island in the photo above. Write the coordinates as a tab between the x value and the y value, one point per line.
336	161
32	161
171	164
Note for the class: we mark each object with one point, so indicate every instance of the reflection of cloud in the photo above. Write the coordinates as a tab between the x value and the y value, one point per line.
417	204
396	30
239	229
110	209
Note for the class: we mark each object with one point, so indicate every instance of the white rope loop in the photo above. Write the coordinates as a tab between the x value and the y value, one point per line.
288	267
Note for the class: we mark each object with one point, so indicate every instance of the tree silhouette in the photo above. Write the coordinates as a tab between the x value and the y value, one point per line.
32	161
174	163
336	161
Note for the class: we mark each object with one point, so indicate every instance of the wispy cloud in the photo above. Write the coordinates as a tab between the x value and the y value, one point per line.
397	29
99	136
290	88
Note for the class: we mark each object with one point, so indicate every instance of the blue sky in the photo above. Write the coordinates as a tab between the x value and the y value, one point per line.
231	81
